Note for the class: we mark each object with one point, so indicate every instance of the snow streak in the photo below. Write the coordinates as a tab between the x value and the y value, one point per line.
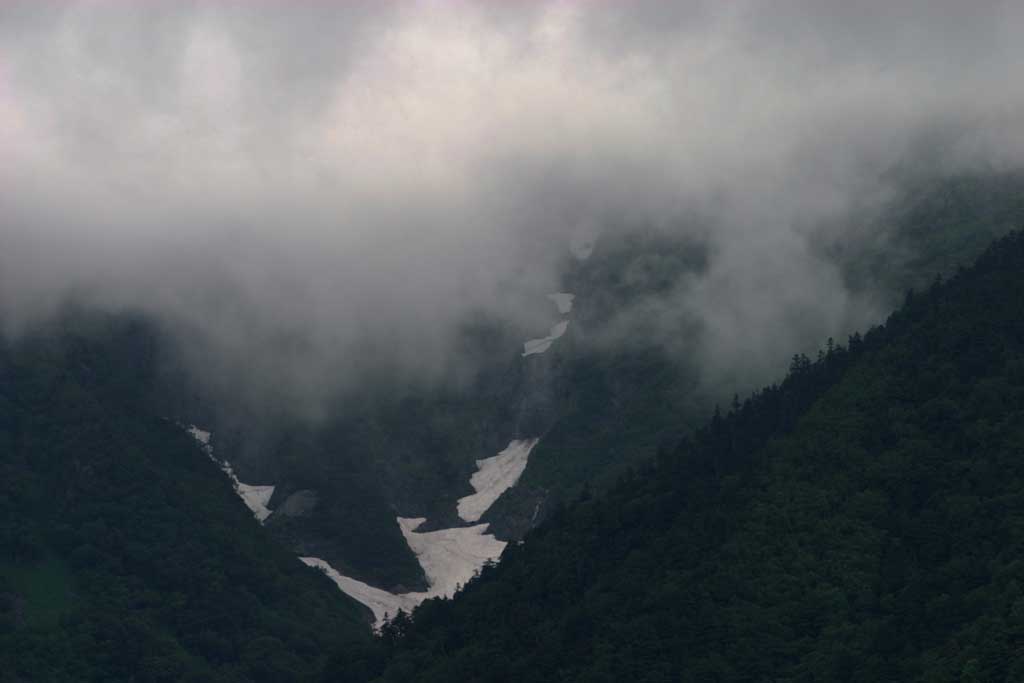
256	498
494	476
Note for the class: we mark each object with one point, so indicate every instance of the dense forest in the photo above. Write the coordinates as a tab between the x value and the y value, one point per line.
863	520
124	553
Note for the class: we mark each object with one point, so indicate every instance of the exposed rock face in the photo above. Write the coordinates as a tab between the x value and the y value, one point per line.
299	504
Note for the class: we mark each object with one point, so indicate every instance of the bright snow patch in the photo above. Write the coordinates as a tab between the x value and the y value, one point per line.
563	300
494	476
202	436
255	498
541	345
380	602
449	557
537	346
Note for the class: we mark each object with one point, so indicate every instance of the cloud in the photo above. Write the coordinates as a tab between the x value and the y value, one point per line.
305	190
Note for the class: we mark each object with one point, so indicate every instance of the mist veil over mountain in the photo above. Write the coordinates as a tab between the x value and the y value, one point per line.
552	340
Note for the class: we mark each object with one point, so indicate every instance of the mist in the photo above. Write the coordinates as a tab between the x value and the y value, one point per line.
302	191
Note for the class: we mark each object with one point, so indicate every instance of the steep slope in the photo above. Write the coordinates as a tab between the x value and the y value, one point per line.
930	229
861	521
596	407
391	451
618	403
338	487
124	553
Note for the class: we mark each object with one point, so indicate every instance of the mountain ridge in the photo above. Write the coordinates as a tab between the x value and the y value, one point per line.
860	521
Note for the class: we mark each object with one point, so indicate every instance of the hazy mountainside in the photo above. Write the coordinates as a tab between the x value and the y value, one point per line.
85	562
620	401
310	311
117	528
124	553
390	452
616	399
602	397
930	230
863	520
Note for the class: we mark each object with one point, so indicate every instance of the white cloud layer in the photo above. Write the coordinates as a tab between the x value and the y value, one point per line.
306	189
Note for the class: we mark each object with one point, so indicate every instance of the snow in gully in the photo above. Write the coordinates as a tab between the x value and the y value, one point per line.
494	476
256	498
450	557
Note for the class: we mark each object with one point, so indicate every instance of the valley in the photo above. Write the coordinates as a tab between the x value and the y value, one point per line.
504	342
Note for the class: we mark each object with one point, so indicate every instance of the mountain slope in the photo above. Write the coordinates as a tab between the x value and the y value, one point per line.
599	403
619	403
93	394
124	553
861	521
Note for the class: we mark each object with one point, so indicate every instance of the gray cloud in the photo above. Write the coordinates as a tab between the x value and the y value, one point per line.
311	188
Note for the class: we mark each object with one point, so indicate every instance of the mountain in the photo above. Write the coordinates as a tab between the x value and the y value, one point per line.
597	407
618	404
592	404
116	517
124	552
862	520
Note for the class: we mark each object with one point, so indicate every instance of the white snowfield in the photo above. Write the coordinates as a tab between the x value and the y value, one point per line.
563	301
380	602
255	498
541	345
494	476
449	557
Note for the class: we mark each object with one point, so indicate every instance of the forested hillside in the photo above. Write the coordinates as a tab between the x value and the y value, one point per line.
124	553
861	521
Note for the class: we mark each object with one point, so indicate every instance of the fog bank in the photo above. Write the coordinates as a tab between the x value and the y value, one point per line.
307	190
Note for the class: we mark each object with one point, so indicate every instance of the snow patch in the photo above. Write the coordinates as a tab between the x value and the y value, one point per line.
449	557
494	476
381	603
256	498
537	346
563	301
559	329
203	437
541	345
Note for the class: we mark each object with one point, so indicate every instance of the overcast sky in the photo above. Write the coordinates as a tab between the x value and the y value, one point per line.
325	178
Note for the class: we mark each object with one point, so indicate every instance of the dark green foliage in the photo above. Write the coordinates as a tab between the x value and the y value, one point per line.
124	553
861	521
